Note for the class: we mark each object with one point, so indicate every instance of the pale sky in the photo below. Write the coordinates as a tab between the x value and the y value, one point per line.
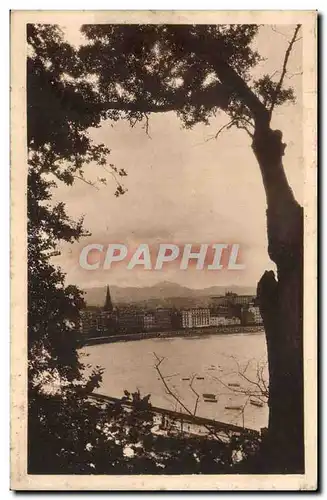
183	188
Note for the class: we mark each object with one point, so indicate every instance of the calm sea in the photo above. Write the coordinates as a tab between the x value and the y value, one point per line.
214	361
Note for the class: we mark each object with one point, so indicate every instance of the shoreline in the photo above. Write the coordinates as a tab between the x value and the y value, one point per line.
185	333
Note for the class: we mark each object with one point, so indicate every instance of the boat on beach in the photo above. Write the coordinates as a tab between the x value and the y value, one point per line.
208	397
256	402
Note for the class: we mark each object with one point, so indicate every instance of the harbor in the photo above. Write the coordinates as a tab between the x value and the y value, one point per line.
210	366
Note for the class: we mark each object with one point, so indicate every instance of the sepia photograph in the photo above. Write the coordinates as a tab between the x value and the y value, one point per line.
163	250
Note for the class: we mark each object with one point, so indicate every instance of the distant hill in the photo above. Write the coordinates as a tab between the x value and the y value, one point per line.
162	294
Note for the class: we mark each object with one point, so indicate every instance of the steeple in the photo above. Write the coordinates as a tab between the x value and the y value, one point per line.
108	304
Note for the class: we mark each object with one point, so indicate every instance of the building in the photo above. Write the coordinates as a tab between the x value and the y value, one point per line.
233	321
223	321
242	300
107	322
195	318
176	319
130	320
220	310
149	321
255	311
186	318
158	320
162	319
107	319
217	320
231	298
108	307
89	323
98	322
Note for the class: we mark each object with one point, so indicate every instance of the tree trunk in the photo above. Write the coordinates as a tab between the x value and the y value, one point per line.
281	306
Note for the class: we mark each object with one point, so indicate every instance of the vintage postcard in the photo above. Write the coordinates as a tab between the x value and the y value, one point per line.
163	180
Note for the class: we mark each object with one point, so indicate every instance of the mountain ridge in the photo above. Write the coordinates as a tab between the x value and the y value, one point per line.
165	293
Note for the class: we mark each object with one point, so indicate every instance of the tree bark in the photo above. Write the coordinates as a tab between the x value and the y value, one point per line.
281	300
281	306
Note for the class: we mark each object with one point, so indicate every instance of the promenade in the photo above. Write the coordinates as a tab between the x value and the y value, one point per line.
188	333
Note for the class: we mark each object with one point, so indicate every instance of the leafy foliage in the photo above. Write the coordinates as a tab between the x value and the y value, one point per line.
85	438
195	70
268	91
55	371
62	107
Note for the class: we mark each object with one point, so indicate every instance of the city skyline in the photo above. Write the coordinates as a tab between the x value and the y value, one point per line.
109	321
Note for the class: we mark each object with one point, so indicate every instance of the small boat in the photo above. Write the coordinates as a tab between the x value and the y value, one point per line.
233	384
256	402
233	407
209	395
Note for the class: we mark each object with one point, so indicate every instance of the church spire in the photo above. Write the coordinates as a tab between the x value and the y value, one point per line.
108	303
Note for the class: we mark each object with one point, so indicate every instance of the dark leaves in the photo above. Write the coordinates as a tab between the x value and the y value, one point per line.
266	89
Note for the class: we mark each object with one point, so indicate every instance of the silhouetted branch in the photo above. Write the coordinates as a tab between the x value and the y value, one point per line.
86	181
146	126
226	126
176	398
196	394
261	391
279	32
299	73
284	69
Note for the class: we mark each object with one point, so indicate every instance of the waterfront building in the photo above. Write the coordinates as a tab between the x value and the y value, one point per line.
195	318
176	319
186	317
162	318
217	320
89	324
233	321
130	319
98	322
255	311
223	321
106	322
149	321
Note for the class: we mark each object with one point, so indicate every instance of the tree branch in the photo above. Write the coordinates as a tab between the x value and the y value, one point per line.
171	393
196	394
171	102
86	181
284	68
235	82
